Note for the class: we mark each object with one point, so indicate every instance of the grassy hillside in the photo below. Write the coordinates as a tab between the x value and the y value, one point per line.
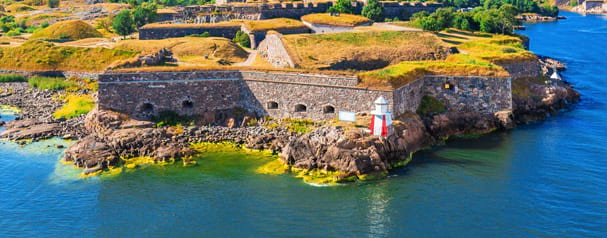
67	30
479	57
366	49
40	55
341	20
196	50
273	24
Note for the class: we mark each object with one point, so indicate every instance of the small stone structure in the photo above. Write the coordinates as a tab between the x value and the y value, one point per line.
288	95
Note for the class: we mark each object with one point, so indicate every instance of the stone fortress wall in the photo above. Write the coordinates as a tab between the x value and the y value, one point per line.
287	95
220	13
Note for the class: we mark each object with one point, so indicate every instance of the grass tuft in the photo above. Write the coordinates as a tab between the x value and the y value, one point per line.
75	106
6	78
49	83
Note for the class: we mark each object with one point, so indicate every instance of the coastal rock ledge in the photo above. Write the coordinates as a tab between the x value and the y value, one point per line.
105	136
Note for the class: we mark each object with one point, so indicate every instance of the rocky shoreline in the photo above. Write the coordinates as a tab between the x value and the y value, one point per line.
105	137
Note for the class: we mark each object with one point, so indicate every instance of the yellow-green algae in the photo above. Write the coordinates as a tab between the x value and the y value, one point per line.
6	109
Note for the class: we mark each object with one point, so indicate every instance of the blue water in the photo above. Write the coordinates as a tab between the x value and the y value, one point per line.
547	179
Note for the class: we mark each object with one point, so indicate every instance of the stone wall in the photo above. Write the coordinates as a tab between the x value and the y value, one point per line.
274	51
181	30
407	98
465	94
280	95
523	69
288	95
257	37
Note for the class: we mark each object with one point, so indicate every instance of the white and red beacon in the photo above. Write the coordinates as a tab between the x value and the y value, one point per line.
381	121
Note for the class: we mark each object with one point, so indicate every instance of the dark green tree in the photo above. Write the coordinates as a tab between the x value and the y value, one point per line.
144	14
123	23
342	6
53	3
242	39
373	10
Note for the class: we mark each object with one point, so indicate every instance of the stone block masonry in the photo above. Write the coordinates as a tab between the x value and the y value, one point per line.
182	30
279	95
288	95
481	94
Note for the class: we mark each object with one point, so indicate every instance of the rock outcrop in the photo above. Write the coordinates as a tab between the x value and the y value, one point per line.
113	136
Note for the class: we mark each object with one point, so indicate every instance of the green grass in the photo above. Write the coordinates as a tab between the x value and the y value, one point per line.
5	78
75	106
37	55
48	83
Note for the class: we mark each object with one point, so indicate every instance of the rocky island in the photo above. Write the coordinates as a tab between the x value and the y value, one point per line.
275	84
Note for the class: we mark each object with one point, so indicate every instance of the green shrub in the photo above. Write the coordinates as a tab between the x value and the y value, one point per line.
204	34
171	118
430	105
5	78
242	39
50	83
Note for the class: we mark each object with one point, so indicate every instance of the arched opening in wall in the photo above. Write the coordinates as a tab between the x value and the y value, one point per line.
146	108
272	105
328	109
300	108
187	104
449	86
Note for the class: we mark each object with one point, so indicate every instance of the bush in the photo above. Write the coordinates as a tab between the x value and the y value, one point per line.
53	3
171	118
75	106
5	78
48	83
205	34
430	105
242	39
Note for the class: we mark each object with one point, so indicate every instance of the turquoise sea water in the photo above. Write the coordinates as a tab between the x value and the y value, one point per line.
547	179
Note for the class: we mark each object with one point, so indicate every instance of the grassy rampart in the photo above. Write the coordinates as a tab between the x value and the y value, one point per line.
324	50
45	56
479	56
343	19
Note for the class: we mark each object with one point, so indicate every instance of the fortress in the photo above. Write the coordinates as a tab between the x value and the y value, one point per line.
214	13
288	95
203	14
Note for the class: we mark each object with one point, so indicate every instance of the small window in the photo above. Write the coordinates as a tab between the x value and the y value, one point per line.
272	105
449	86
147	108
300	108
328	109
187	104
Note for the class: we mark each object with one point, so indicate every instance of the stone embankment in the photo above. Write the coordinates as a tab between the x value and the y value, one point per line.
35	119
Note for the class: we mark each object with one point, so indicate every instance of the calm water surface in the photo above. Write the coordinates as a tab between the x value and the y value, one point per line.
543	180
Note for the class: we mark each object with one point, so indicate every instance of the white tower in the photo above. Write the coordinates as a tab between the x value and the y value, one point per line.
381	122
